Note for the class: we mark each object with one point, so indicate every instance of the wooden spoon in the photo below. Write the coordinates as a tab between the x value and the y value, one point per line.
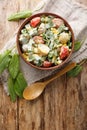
35	89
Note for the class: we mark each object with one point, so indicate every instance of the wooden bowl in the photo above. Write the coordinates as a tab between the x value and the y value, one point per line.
27	21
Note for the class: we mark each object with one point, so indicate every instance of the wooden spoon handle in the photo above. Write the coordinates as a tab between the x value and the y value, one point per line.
61	72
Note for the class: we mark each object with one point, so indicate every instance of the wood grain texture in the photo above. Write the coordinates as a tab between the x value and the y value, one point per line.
63	104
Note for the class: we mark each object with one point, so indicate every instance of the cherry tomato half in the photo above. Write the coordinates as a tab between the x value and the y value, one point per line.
47	64
64	52
35	21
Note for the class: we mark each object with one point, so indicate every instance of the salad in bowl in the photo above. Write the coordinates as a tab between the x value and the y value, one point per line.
45	41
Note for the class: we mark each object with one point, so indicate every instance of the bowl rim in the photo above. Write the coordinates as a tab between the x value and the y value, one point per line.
18	43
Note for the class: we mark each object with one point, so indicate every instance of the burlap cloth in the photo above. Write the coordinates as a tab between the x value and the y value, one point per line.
76	15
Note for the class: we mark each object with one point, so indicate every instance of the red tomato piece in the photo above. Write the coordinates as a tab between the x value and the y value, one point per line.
64	52
47	64
35	21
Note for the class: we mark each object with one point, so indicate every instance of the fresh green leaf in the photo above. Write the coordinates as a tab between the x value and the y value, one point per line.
20	85
11	90
75	71
14	66
3	55
25	13
77	45
20	15
4	61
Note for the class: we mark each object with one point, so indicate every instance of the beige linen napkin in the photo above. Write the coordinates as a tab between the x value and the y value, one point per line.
76	15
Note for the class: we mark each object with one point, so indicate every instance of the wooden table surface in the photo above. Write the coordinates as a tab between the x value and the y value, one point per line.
62	106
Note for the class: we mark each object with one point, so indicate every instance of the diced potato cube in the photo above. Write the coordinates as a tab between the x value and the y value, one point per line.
43	49
64	38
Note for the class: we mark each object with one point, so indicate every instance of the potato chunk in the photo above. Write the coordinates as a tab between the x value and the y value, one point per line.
43	49
64	38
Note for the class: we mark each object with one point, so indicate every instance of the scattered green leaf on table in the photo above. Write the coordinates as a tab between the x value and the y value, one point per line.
4	61
25	13
20	15
14	66
75	71
77	45
11	90
20	85
3	55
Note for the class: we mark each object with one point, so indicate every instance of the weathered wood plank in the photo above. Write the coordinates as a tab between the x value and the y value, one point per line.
7	28
77	102
46	112
8	110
